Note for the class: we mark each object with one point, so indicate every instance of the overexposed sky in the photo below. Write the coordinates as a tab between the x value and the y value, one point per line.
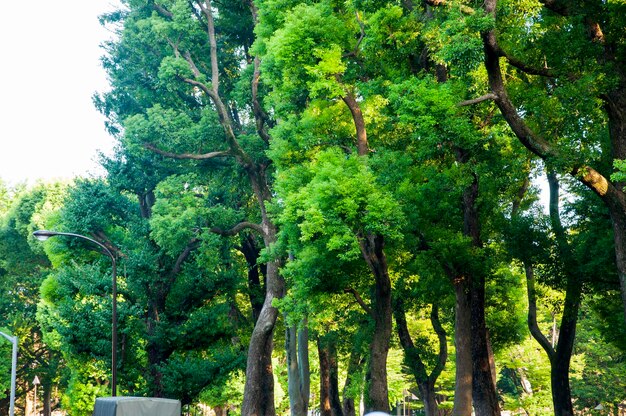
49	70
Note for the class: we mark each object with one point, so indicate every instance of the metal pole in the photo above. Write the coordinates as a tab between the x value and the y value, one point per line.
45	234
13	376
13	341
114	331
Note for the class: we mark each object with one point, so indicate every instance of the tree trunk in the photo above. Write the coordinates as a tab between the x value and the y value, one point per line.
429	398
463	344
372	247
251	253
425	382
560	361
47	399
330	405
259	387
354	365
483	384
154	348
297	369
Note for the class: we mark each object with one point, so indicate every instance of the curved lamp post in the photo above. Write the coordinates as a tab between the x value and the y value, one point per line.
43	235
13	341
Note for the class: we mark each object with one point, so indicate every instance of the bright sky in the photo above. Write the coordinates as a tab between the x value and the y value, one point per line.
50	69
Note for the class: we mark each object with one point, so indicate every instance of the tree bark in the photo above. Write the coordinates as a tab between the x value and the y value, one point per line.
298	379
425	382
47	399
372	248
251	253
483	379
463	345
330	405
560	362
483	385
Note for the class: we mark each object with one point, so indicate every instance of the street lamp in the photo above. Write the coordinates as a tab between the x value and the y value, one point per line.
12	340
43	235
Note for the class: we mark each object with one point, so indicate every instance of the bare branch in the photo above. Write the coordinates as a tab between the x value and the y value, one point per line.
205	6
238	228
192	156
192	65
489	96
359	300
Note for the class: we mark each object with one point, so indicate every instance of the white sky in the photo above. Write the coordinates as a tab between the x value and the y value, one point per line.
49	70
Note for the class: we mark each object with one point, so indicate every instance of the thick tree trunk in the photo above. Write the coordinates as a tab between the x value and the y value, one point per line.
483	380
330	405
483	384
47	399
372	248
259	387
429	398
463	344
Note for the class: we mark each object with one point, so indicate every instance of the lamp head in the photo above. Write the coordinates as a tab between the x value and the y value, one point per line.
43	235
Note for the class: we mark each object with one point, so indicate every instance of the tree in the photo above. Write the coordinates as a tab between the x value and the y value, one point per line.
175	35
23	267
593	31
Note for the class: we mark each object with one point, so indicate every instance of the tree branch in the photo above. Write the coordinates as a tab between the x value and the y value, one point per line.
359	300
545	72
193	244
532	312
443	343
239	227
359	122
355	52
486	97
215	73
260	116
161	10
530	139
192	156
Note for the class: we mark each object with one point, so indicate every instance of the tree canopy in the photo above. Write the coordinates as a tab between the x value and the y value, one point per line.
314	203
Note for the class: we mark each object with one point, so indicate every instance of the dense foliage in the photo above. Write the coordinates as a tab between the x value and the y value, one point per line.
317	202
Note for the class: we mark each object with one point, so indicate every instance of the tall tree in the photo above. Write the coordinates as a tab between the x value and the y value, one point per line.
202	54
593	33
